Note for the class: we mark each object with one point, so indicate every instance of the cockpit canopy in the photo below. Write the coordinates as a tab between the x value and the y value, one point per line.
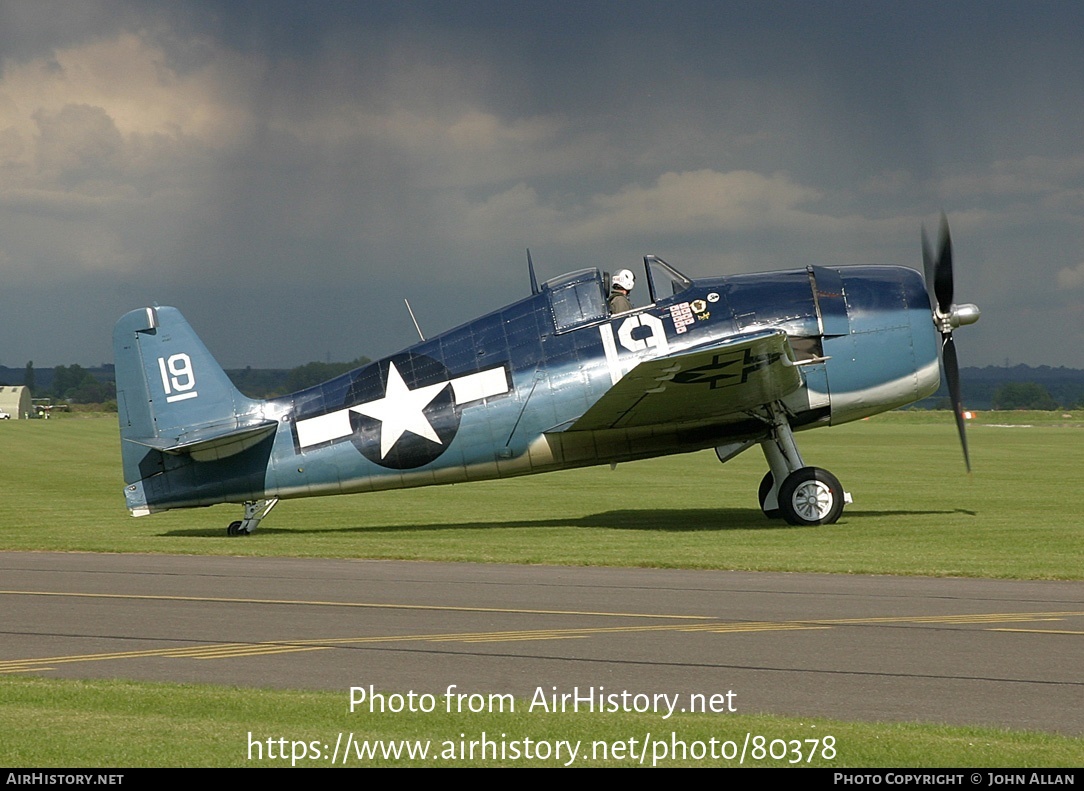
576	299
579	298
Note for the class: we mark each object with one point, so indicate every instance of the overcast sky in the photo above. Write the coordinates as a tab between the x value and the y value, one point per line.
286	173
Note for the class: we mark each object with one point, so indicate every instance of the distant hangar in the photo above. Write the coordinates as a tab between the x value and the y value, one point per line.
15	401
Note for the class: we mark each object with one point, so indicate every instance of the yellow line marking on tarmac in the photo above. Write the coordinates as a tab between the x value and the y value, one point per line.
955	619
363	605
15	664
257	651
724	628
499	639
237	650
505	636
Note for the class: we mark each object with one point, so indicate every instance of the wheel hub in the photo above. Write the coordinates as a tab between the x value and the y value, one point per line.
813	500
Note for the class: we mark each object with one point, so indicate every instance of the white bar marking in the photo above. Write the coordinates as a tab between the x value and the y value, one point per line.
475	387
324	428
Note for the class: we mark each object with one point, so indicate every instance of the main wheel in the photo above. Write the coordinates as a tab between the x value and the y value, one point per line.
235	529
811	496
765	489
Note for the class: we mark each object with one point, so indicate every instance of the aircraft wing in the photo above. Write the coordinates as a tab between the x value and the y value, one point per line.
699	384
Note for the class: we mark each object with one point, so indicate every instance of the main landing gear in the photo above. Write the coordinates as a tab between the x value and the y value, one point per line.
799	494
255	510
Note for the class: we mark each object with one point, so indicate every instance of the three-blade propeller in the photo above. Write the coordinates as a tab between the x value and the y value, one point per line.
947	316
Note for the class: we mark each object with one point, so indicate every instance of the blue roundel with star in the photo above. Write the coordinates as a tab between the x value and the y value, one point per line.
403	411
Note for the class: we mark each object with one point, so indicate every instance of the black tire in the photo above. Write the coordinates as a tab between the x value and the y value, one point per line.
762	494
234	529
811	496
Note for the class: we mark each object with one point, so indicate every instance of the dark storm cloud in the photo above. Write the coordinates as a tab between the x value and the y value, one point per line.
287	173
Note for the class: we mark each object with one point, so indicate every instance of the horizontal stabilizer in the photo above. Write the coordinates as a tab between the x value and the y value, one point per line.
212	442
704	384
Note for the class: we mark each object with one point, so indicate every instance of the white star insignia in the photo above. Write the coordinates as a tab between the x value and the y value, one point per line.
401	410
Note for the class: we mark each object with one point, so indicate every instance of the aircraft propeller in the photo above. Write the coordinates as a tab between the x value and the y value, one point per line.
947	316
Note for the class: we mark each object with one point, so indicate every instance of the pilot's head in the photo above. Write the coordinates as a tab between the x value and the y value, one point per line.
624	280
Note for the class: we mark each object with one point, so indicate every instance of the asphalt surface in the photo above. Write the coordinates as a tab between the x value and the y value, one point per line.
960	651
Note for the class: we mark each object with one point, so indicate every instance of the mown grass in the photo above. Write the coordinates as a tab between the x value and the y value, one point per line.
915	509
125	724
915	512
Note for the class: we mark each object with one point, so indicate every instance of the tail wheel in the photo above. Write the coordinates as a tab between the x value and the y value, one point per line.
766	484
811	496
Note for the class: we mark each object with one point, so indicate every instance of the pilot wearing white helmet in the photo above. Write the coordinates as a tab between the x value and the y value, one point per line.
620	287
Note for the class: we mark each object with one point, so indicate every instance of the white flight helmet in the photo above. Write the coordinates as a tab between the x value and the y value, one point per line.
625	279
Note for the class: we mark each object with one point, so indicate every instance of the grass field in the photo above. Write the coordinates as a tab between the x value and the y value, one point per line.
915	512
119	723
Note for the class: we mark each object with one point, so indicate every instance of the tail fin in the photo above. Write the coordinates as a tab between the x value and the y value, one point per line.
174	398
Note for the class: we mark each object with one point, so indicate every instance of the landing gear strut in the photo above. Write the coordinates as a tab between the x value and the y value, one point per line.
801	495
255	510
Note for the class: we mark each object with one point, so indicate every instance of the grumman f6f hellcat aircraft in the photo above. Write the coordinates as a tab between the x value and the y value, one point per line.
553	381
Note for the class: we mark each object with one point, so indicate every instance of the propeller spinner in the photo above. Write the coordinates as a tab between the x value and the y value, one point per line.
947	316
